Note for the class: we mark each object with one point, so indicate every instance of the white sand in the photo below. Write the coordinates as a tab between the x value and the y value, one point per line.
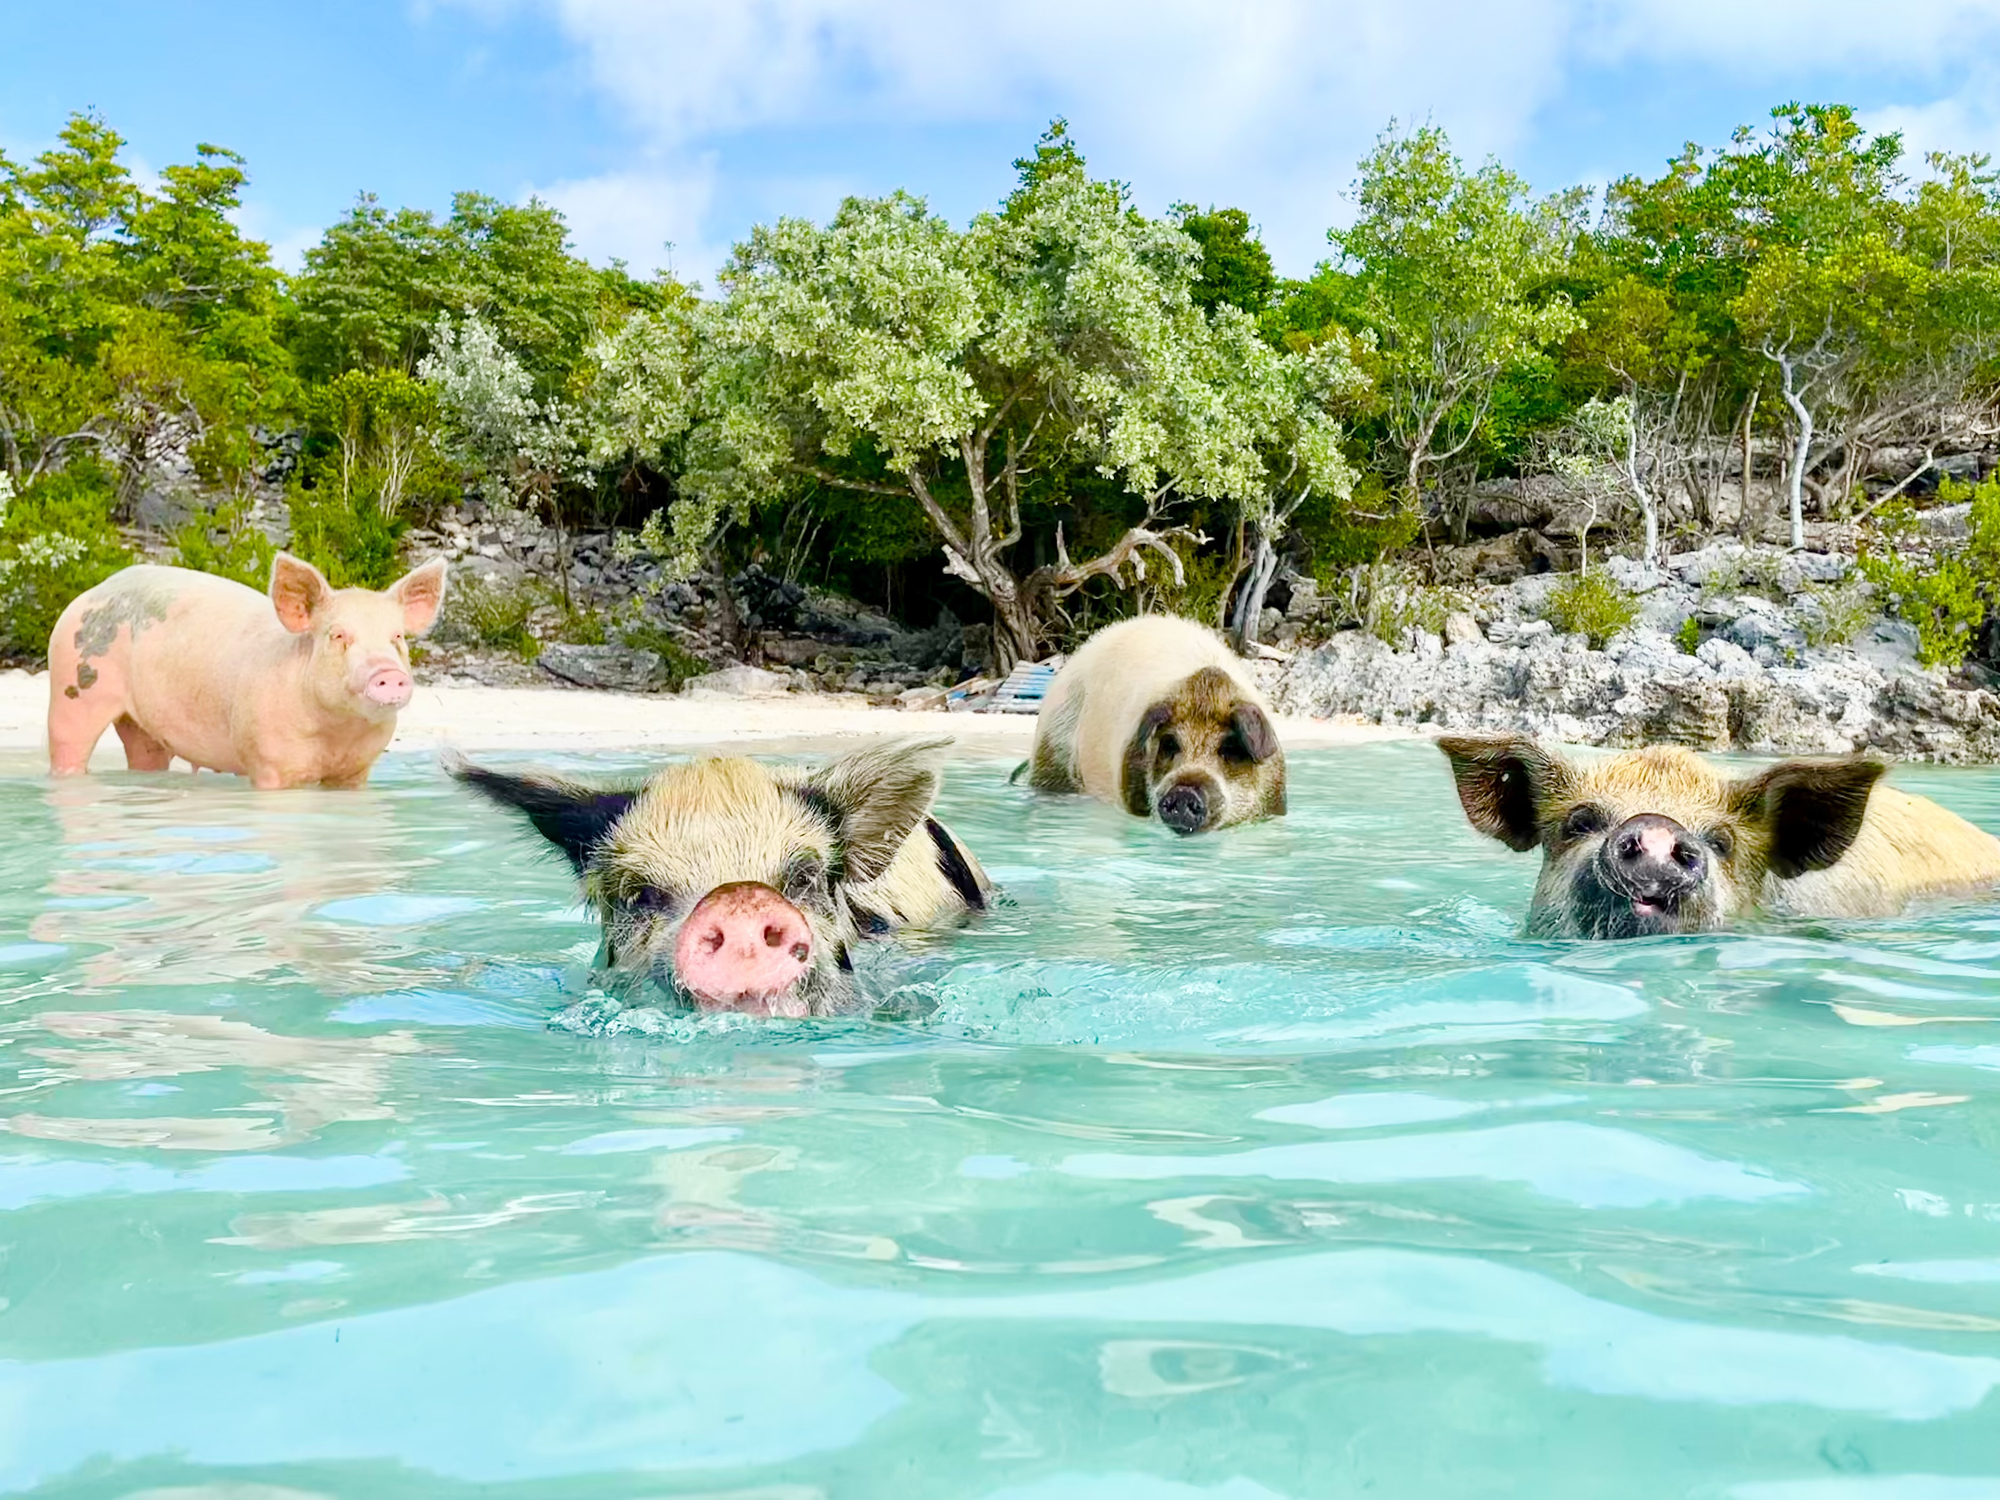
554	718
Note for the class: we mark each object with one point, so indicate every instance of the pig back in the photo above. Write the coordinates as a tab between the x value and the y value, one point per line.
1908	848
196	652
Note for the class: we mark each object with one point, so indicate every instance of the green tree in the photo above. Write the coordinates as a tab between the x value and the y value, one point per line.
1235	268
888	353
1451	270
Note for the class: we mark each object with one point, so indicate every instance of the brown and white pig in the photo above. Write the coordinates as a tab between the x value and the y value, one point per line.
1157	715
1658	841
740	886
298	688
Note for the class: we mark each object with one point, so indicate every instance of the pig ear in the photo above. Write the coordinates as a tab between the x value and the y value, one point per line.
297	590
876	797
575	819
1253	727
1811	808
1503	781
421	593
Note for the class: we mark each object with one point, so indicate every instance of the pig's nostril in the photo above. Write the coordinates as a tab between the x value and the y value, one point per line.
1687	856
801	952
774	935
1628	847
711	940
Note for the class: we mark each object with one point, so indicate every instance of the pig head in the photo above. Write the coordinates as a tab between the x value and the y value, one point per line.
737	886
359	638
1655	841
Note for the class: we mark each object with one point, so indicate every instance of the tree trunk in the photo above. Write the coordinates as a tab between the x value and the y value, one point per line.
1743	506
1795	477
1250	604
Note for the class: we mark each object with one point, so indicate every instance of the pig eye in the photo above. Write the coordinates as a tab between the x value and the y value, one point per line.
1169	747
803	875
1722	841
651	900
341	639
1583	821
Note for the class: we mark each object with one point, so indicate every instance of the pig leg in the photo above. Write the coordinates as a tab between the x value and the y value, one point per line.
142	751
77	721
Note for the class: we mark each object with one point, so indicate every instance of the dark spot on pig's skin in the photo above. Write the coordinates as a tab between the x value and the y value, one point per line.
951	863
86	678
69	692
137	605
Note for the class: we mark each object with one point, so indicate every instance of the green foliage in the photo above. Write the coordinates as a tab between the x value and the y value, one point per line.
488	611
1357	532
640	634
1591	605
1235	268
1398	603
57	538
133	322
348	538
1950	595
375	442
1688	635
1450	268
226	543
1835	614
377	283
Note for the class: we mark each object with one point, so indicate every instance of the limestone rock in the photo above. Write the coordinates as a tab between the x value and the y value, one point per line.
738	682
619	668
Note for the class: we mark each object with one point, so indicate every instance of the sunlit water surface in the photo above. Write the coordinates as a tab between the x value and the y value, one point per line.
1268	1164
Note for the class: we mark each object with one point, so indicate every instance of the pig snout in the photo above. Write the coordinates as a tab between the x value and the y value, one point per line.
388	686
745	947
1184	807
1654	861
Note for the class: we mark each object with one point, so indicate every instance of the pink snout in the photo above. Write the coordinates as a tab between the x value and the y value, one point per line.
388	686
745	947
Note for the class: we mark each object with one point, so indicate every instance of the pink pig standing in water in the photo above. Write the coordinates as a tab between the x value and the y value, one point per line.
298	689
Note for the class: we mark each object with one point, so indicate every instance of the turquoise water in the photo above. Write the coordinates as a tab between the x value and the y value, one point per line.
1270	1164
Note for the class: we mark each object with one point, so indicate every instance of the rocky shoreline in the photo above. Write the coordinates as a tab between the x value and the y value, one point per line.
1767	673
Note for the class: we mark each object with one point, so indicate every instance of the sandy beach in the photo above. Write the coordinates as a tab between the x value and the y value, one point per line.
557	718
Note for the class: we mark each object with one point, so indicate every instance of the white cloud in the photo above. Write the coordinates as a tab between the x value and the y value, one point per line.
1267	103
1967	120
636	216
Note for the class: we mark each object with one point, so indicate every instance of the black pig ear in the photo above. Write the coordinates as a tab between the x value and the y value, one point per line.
1813	809
1504	781
576	819
1253	727
876	798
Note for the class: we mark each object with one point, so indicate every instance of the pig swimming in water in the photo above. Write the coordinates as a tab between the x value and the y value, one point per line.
1656	841
289	690
739	886
1157	716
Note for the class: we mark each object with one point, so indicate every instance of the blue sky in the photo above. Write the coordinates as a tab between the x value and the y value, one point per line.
650	121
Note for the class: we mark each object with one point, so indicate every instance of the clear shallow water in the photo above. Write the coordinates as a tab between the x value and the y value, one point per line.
1265	1165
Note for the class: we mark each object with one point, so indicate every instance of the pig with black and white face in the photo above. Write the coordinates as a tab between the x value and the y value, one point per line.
739	886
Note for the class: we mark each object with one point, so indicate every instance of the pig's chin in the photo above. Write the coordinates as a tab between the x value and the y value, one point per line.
1600	910
788	1006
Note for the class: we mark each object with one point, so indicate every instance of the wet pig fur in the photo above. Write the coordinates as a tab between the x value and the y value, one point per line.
1658	841
808	862
1158	716
297	686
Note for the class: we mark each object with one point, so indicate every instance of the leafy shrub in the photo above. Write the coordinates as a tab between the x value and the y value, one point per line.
228	544
491	612
680	664
1949	595
1688	637
1591	605
57	539
1356	532
349	539
1398	604
1837	614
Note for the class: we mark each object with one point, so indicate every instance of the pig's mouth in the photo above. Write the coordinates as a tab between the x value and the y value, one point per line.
1602	908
